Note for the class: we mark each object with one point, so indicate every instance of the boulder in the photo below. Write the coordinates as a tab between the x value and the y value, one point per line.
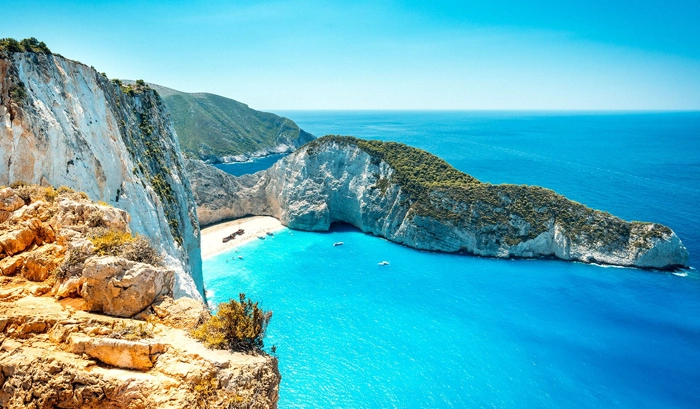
72	213
122	288
18	240
11	265
9	200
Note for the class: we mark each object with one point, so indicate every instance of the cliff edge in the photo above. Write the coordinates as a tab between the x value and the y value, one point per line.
64	124
72	277
412	197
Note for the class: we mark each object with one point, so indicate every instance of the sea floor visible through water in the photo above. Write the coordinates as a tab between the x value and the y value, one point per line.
434	330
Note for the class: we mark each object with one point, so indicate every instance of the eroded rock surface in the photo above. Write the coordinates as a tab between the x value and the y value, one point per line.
55	353
123	288
74	127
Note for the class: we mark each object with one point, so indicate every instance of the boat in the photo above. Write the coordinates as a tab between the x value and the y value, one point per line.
241	257
261	237
384	263
269	233
338	243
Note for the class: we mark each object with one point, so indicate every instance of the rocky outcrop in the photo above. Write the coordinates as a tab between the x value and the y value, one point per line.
54	352
123	288
411	197
64	124
52	355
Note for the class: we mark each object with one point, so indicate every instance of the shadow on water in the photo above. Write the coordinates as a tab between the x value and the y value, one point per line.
248	168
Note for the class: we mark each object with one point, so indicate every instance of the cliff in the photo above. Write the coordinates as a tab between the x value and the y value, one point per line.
62	123
218	129
71	277
414	198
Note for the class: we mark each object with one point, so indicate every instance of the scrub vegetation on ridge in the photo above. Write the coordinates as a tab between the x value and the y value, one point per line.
516	213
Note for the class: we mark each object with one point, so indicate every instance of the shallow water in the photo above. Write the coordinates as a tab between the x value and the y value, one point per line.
437	330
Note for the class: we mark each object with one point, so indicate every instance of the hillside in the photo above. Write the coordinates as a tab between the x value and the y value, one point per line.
218	129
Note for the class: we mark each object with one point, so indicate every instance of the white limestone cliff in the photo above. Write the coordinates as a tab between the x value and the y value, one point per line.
74	127
327	182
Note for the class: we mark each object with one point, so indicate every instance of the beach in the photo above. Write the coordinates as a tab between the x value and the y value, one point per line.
253	227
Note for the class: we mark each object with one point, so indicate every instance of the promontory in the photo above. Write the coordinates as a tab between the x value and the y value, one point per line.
412	197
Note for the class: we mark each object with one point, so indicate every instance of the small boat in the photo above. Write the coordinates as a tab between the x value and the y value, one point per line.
269	233
241	257
338	243
384	263
261	237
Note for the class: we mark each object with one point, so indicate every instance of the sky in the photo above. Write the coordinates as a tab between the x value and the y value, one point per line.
311	55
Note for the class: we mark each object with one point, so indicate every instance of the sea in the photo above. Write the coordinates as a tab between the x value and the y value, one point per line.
432	330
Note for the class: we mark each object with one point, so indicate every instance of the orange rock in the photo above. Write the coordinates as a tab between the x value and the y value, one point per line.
9	266
17	240
42	261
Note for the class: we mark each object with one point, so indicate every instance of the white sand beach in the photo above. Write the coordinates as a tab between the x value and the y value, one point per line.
212	236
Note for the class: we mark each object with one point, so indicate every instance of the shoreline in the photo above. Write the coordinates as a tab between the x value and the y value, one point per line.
254	226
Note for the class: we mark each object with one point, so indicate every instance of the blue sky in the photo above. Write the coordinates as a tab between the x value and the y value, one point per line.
555	55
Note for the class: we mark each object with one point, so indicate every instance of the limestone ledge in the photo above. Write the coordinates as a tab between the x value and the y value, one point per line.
54	355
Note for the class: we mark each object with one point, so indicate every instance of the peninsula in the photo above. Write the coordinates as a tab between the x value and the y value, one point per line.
414	198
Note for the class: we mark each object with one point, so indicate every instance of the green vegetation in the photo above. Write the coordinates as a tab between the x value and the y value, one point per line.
109	242
208	124
28	45
142	127
19	92
511	213
237	326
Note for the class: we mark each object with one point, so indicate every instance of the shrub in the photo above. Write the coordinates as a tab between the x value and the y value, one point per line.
109	242
29	45
72	264
237	326
142	251
18	92
50	193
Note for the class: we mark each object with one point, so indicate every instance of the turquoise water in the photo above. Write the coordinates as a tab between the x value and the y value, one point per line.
440	331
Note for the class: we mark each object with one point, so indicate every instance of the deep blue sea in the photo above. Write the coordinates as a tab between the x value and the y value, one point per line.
447	331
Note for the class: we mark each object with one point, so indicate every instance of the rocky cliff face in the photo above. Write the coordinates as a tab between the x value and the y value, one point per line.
62	123
55	351
413	198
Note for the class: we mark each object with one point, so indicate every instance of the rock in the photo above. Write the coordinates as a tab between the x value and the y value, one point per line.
122	288
41	262
343	179
11	265
16	241
183	313
77	129
71	287
119	353
9	200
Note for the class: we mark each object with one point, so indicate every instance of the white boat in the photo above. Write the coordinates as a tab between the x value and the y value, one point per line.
241	257
338	243
384	263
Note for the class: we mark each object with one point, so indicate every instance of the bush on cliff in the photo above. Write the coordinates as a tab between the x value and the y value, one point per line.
108	242
28	45
237	326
